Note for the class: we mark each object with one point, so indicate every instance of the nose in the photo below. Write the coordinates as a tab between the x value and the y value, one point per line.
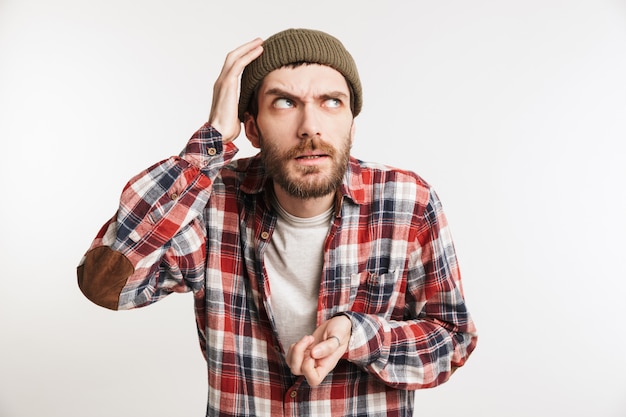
309	122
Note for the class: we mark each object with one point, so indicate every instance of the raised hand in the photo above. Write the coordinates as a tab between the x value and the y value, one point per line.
223	116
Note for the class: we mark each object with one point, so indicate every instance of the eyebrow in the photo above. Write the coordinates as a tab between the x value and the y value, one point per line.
282	93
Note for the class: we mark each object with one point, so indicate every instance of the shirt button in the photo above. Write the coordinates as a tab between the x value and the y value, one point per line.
211	151
174	196
293	394
265	235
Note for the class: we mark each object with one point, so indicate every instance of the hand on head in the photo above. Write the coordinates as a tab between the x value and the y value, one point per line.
224	108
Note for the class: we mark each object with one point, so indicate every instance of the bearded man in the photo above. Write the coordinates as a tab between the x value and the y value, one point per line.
323	285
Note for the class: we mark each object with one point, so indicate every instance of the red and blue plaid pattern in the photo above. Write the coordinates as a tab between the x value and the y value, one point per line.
200	222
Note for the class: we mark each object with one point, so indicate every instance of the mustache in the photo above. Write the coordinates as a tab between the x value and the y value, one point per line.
309	145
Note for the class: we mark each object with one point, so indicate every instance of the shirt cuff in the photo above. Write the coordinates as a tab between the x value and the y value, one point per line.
203	146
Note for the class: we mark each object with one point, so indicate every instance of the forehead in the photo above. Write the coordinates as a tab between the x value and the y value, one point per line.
305	79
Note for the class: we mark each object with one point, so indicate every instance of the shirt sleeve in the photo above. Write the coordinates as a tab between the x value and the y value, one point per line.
155	243
438	334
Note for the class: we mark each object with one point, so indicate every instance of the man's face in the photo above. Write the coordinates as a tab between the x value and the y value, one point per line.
304	128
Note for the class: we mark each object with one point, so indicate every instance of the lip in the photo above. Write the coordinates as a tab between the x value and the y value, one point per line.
311	158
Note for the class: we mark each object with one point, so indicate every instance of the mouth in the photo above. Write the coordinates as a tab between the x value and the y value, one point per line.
310	157
311	160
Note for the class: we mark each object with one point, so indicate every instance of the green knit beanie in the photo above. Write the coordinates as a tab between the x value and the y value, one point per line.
300	45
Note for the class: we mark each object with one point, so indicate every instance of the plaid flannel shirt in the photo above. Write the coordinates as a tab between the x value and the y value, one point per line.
200	222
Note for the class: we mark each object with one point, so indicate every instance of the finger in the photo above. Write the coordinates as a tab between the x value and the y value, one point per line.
245	48
326	348
313	371
235	63
224	108
297	354
237	59
316	370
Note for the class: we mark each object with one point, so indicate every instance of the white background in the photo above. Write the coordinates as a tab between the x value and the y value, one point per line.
513	110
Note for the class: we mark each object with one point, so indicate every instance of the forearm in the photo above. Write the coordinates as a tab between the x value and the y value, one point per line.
410	354
125	264
159	201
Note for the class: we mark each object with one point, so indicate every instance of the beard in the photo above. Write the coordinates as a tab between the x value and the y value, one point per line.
305	182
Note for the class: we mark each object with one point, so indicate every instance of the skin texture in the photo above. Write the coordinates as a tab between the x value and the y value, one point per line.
304	129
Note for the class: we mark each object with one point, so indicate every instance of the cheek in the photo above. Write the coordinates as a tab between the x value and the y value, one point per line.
343	125
273	127
280	136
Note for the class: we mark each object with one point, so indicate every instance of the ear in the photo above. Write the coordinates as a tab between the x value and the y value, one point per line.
252	131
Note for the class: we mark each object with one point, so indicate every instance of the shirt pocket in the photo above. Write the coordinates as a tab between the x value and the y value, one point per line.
375	293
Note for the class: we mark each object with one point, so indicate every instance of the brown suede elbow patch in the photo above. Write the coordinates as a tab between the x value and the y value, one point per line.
103	275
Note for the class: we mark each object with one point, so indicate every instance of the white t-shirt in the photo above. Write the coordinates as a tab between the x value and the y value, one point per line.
293	262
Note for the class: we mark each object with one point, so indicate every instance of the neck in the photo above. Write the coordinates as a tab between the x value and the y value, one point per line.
304	208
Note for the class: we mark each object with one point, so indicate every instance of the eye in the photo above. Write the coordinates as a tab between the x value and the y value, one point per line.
333	103
283	103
